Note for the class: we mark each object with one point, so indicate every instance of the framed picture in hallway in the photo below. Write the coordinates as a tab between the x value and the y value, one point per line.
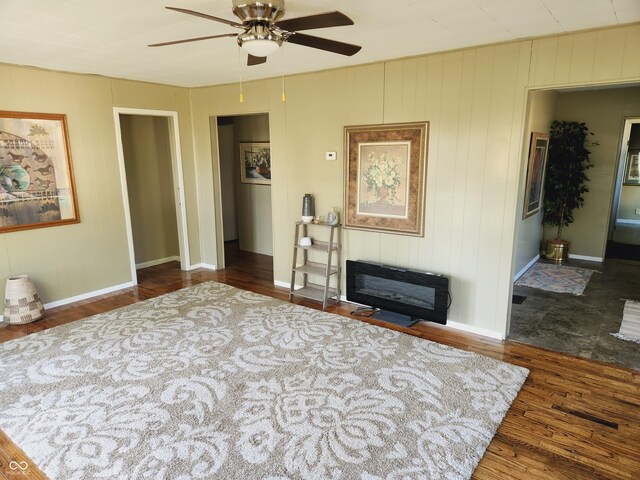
385	177
632	169
255	163
36	178
535	173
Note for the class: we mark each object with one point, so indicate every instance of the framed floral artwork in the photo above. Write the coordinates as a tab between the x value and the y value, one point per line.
36	177
385	177
255	163
535	173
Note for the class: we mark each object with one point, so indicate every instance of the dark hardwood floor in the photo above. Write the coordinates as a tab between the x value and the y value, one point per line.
573	419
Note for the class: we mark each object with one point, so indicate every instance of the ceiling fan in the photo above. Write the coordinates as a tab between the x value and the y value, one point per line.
264	32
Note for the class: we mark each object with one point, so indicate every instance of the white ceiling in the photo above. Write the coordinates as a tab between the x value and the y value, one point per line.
110	37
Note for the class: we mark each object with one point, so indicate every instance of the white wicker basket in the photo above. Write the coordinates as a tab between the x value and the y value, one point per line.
21	302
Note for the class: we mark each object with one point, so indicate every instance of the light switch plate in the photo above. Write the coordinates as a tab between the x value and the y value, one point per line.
637	211
331	155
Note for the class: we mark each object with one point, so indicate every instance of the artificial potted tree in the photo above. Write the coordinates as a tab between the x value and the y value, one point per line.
566	181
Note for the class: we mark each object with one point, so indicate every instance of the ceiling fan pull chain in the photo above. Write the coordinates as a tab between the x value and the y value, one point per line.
240	73
284	96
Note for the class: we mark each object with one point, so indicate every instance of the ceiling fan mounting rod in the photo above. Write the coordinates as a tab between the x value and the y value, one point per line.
249	12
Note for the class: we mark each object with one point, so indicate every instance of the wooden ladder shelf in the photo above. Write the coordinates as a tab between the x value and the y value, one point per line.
324	270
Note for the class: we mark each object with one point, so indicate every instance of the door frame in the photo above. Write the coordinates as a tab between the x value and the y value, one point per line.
560	88
217	181
178	183
622	160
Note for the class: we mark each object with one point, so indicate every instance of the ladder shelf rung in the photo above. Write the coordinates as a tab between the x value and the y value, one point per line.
315	292
314	268
318	245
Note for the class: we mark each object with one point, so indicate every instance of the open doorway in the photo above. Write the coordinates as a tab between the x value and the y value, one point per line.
624	227
152	186
245	186
547	311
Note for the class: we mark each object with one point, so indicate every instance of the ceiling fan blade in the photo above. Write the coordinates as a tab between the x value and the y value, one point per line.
324	44
204	15
196	39
253	60
321	20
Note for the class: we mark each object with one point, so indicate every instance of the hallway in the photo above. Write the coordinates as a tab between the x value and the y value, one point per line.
582	325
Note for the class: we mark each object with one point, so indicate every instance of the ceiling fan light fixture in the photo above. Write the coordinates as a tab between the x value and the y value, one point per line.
259	42
260	48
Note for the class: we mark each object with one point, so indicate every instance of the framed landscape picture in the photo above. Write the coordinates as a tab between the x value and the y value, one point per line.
255	163
632	168
385	177
36	177
535	173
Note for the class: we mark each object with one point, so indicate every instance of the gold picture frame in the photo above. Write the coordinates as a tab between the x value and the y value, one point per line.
255	163
536	169
36	176
385	177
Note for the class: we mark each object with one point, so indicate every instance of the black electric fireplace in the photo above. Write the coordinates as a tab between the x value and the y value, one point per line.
403	296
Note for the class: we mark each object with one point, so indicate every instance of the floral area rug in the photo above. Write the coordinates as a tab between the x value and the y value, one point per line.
556	278
215	382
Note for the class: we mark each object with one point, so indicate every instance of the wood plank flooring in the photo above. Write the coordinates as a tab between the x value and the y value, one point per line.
573	419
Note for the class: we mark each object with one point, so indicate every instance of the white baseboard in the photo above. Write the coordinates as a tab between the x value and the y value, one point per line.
104	291
279	283
84	296
475	330
624	221
526	267
586	258
455	325
159	261
206	266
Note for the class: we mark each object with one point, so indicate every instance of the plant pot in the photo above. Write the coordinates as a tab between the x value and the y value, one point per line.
557	250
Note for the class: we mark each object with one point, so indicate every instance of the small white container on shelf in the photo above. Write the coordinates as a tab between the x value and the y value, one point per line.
305	242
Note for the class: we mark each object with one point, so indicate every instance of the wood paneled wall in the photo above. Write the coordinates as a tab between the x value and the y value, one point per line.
475	102
71	260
